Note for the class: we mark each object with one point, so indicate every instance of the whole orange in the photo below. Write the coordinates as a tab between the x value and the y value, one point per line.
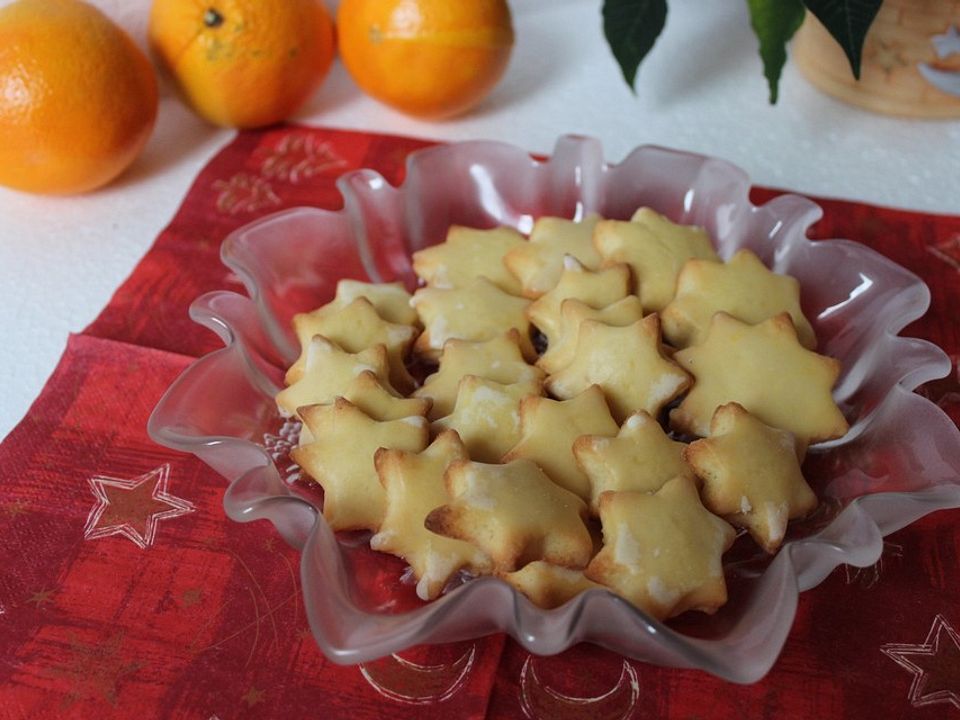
243	63
78	99
431	58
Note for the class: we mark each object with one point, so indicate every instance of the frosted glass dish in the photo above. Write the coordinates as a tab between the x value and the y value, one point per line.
899	461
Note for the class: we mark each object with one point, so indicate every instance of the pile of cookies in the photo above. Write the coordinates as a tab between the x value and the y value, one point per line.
606	402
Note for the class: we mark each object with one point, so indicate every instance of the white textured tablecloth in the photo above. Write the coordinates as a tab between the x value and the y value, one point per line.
701	89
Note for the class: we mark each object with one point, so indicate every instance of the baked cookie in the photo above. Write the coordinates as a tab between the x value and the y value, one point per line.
549	586
538	263
367	392
413	483
627	363
655	249
498	359
562	348
467	254
594	288
329	370
390	300
515	514
479	311
641	457
448	507
765	369
487	415
751	475
549	429
662	551
742	287
355	327
340	459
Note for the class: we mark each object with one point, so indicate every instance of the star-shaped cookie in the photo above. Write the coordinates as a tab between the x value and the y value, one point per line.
515	514
751	475
562	349
641	457
368	393
498	359
765	369
390	300
414	486
355	327
549	429
742	287
627	363
662	551
655	249
479	311
594	288
328	371
469	253
538	264
550	586
487	415
340	459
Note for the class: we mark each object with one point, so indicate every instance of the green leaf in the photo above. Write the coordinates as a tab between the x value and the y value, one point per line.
848	22
774	22
631	28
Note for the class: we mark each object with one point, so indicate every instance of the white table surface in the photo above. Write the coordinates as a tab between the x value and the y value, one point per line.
701	89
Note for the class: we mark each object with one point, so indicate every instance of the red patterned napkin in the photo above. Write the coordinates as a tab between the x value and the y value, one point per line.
126	592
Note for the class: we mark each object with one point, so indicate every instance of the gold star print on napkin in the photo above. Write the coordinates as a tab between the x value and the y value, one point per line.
132	508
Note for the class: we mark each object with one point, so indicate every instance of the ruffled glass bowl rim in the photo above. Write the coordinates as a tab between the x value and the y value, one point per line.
573	181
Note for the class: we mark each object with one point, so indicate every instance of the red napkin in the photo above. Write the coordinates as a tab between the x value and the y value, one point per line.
126	592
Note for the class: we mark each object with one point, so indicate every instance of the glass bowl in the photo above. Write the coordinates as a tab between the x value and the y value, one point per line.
899	461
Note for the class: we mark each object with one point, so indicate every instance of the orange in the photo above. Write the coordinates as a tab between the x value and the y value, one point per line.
77	98
243	63
431	58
